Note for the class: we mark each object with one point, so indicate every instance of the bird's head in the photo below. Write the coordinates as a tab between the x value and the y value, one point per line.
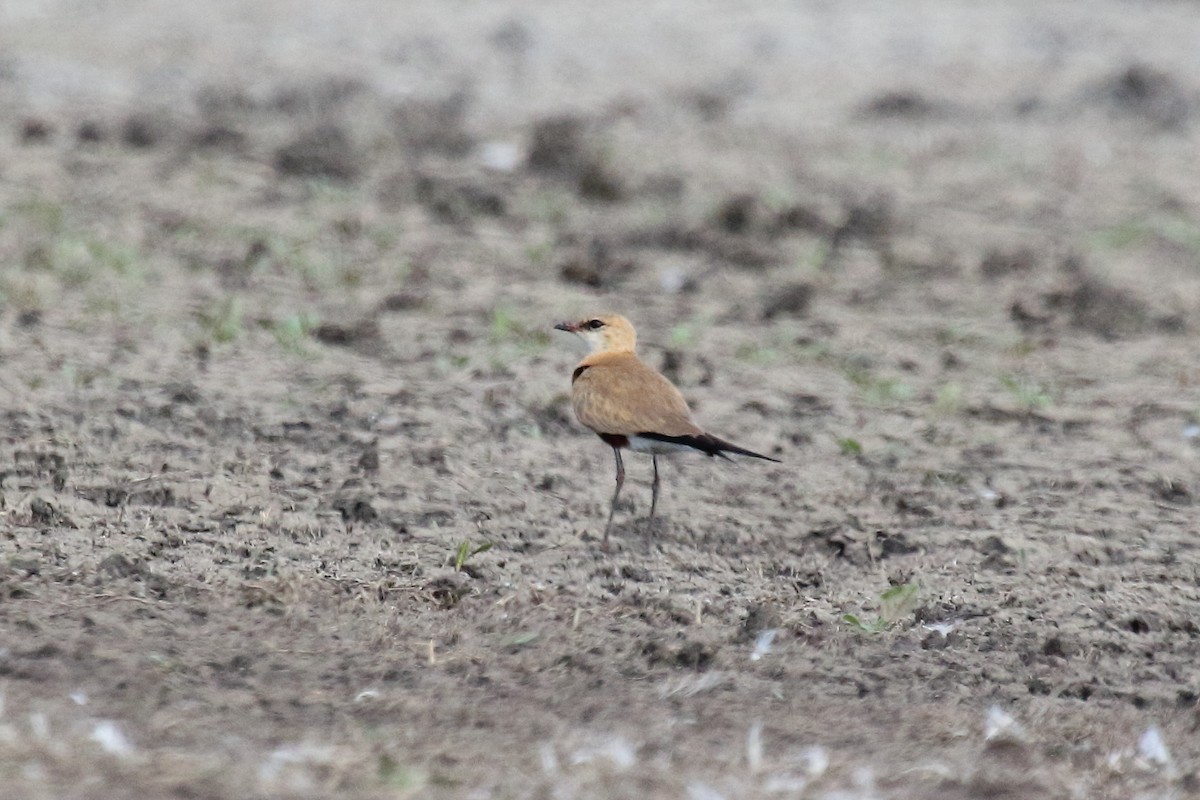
604	333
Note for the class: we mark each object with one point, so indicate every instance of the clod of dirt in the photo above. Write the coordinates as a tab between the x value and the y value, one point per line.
598	180
951	360
993	545
41	511
90	132
235	272
1006	773
216	136
809	405
1143	91
696	655
434	457
312	98
999	263
668	236
557	144
790	300
1171	490
709	104
116	496
223	99
368	462
799	217
118	566
1027	319
355	509
894	544
1095	306
632	572
918	258
552	418
596	266
901	104
998	563
457	201
38	257
183	392
1085	302
143	131
744	252
354	335
870	222
1059	646
435	124
48	650
401	301
672	361
759	617
911	504
323	152
700	369
52	465
561	147
1038	686
29	318
997	555
161	496
692	654
841	544
29	566
937	640
448	591
434	517
512	36
35	130
239	665
739	214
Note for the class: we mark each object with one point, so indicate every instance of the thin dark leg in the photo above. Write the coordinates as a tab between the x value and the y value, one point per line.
613	509
654	487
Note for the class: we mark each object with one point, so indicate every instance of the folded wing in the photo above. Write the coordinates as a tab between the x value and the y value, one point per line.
621	395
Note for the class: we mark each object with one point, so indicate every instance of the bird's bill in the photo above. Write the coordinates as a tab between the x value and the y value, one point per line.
569	327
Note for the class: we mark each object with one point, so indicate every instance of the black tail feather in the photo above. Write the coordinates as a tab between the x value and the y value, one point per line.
709	445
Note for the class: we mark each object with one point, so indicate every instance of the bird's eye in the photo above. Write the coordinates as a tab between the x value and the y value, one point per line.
594	324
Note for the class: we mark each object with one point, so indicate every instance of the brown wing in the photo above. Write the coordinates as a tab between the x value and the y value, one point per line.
621	395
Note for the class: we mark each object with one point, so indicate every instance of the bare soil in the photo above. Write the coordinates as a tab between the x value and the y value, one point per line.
292	503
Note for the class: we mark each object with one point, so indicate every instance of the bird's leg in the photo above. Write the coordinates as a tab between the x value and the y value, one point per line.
654	487
613	509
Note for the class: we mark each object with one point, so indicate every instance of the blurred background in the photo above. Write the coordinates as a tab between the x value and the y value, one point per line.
338	152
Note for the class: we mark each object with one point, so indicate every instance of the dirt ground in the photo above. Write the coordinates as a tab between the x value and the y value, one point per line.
277	368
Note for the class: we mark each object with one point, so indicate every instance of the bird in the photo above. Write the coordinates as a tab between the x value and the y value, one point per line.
630	405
